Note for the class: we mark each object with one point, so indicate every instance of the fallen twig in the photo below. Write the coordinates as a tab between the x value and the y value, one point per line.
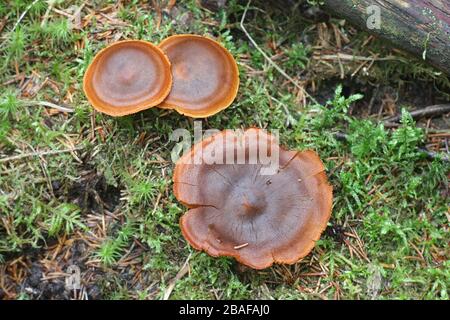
349	57
37	153
49	105
431	111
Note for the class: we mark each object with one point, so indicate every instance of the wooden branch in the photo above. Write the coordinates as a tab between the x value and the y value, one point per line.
420	27
431	111
37	153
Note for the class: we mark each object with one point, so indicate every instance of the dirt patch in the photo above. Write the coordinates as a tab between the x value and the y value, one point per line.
38	289
41	273
92	193
336	232
383	99
44	278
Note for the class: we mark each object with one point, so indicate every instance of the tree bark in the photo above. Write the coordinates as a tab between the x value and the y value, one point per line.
421	27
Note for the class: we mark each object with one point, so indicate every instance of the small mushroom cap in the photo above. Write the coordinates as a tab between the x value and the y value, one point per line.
205	75
127	77
237	211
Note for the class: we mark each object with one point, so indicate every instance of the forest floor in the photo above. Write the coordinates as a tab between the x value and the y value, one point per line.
82	188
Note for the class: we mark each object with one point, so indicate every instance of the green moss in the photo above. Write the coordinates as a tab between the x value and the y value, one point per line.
384	188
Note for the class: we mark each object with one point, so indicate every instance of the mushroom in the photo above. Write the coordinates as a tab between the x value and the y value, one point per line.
205	75
127	77
235	210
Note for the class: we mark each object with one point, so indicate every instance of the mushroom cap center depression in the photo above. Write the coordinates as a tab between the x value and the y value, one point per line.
197	77
182	71
242	205
202	72
128	75
247	201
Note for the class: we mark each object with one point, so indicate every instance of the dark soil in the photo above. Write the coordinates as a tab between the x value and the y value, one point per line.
92	193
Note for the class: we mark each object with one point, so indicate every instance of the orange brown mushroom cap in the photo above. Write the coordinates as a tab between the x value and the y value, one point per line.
127	77
205	75
257	219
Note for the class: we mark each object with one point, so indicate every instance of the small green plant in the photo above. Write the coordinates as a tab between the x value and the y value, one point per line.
9	104
386	192
335	111
298	56
145	190
16	45
59	31
112	249
64	218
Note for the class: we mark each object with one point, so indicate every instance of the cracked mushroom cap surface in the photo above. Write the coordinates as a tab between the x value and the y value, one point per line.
237	210
127	77
205	75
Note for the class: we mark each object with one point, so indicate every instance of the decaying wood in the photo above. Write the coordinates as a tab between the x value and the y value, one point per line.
431	111
421	27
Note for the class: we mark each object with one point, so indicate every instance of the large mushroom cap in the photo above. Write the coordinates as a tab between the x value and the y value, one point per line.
127	77
205	75
237	211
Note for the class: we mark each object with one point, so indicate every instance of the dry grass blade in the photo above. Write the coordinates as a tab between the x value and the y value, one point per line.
38	153
183	271
23	15
271	62
49	105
